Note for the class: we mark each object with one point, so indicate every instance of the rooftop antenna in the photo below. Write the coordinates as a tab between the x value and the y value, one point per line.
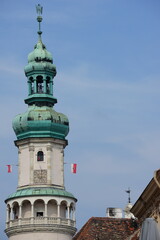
39	10
129	195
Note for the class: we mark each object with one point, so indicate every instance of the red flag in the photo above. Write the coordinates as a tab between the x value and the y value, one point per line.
73	167
9	168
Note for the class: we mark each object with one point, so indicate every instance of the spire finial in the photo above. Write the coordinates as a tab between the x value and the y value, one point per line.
39	10
129	196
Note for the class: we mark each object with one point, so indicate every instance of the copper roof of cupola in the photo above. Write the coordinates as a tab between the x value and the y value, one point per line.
40	58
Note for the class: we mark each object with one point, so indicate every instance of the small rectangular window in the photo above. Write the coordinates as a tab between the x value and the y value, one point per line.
39	214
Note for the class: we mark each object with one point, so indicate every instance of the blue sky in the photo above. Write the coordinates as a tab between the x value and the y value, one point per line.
107	54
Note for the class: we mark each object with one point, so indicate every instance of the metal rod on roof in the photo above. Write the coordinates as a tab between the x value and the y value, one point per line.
129	195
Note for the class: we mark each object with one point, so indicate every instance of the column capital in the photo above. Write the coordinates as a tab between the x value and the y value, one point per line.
49	148
31	148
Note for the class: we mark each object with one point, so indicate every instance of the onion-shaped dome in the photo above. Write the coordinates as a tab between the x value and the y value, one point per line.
41	122
40	59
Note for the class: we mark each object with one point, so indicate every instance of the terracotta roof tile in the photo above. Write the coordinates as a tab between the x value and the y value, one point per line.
134	236
104	228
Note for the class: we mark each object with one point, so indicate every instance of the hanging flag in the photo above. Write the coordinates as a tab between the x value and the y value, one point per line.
73	167
9	168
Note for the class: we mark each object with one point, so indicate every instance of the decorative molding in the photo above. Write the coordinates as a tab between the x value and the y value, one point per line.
31	148
40	176
31	140
54	228
152	209
49	148
58	146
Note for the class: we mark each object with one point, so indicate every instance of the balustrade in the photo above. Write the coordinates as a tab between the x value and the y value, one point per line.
40	220
14	222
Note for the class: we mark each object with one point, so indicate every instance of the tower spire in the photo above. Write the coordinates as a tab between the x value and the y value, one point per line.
39	10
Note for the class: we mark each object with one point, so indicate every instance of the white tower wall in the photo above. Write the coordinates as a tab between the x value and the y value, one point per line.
46	235
30	168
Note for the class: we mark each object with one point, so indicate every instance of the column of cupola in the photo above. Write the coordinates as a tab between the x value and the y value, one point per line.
34	85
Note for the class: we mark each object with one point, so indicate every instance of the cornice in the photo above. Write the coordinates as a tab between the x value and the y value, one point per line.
22	142
147	202
56	228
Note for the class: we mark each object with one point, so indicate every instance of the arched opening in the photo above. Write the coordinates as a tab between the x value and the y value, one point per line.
39	209
40	84
31	85
52	208
15	210
26	209
48	85
71	211
40	156
63	209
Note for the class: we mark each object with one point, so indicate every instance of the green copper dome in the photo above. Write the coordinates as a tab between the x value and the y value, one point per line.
40	192
40	53
41	122
40	60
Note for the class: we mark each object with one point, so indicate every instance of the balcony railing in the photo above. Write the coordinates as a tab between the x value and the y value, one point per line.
40	220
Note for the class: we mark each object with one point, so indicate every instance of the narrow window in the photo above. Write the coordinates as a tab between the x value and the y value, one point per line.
40	86
40	156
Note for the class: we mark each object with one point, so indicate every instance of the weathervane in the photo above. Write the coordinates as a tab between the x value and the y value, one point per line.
39	10
129	195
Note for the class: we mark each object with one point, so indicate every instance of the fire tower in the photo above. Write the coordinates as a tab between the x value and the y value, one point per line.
41	208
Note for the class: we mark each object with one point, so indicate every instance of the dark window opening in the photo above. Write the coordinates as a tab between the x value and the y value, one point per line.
39	80
111	212
39	214
40	88
48	89
40	156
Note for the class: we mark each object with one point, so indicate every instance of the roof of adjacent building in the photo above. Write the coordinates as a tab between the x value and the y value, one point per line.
144	206
134	236
104	228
